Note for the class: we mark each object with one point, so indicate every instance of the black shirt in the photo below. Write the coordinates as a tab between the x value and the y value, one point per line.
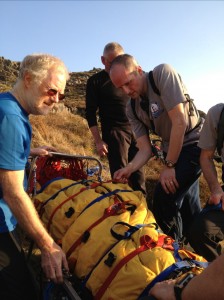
110	102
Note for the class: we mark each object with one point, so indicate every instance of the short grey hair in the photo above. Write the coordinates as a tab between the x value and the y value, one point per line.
128	61
38	66
113	47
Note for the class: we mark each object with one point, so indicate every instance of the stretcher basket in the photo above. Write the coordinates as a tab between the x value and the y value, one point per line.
124	207
41	171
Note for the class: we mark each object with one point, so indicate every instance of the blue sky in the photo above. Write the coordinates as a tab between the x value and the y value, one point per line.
189	35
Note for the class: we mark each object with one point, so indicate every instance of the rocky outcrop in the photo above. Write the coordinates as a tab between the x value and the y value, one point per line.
75	88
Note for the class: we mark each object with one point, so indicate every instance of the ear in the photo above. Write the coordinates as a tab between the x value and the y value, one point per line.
27	79
103	60
139	70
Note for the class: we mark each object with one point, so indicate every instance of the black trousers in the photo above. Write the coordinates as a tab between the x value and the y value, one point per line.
206	232
16	280
121	150
175	212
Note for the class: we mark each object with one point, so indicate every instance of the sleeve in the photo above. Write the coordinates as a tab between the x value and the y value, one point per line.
91	102
208	135
13	141
170	85
139	129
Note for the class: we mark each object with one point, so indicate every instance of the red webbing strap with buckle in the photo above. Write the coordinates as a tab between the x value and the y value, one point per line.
146	243
112	210
66	200
166	242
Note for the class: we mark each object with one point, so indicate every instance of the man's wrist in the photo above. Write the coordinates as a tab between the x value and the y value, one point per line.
181	284
130	166
169	163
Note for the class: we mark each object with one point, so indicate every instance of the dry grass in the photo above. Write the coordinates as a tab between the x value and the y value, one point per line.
69	133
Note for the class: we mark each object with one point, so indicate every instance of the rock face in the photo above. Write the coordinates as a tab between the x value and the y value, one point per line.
75	88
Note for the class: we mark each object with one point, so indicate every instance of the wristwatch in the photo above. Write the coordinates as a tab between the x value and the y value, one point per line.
180	284
170	163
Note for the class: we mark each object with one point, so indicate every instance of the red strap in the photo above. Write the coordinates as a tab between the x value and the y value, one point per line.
165	241
115	209
146	243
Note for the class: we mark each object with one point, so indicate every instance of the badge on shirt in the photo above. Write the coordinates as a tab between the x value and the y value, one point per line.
156	110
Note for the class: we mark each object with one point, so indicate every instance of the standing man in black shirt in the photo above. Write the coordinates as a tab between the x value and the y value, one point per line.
117	140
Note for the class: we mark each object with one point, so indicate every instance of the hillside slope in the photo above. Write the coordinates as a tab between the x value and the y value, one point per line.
68	130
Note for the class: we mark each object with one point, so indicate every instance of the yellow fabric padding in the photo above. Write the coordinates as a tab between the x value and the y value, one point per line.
92	207
137	273
59	224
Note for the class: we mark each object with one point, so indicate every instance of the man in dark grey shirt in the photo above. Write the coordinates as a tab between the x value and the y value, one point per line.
117	140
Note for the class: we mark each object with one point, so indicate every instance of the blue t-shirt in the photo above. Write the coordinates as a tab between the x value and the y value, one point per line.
15	137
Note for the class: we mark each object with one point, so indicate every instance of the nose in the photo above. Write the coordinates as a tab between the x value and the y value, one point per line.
55	98
126	89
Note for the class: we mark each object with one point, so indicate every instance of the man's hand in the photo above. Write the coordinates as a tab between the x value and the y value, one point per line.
217	197
42	151
168	180
52	262
123	174
163	290
102	148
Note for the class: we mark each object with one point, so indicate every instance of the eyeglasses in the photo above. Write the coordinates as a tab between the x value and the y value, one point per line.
52	92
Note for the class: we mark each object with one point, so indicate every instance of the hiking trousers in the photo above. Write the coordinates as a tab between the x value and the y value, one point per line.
16	280
175	212
122	149
206	232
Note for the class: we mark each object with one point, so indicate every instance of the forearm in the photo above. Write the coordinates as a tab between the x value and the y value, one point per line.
177	133
210	174
208	285
23	208
175	143
140	159
143	155
27	217
96	134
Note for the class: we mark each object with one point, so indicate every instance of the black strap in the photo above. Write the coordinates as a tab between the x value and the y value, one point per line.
152	126
220	132
154	87
133	108
192	108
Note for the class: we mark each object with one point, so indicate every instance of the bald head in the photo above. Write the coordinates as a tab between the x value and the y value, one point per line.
111	51
113	47
126	60
125	73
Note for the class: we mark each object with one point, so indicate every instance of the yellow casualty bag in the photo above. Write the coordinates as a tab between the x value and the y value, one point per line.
92	230
61	202
112	242
126	270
